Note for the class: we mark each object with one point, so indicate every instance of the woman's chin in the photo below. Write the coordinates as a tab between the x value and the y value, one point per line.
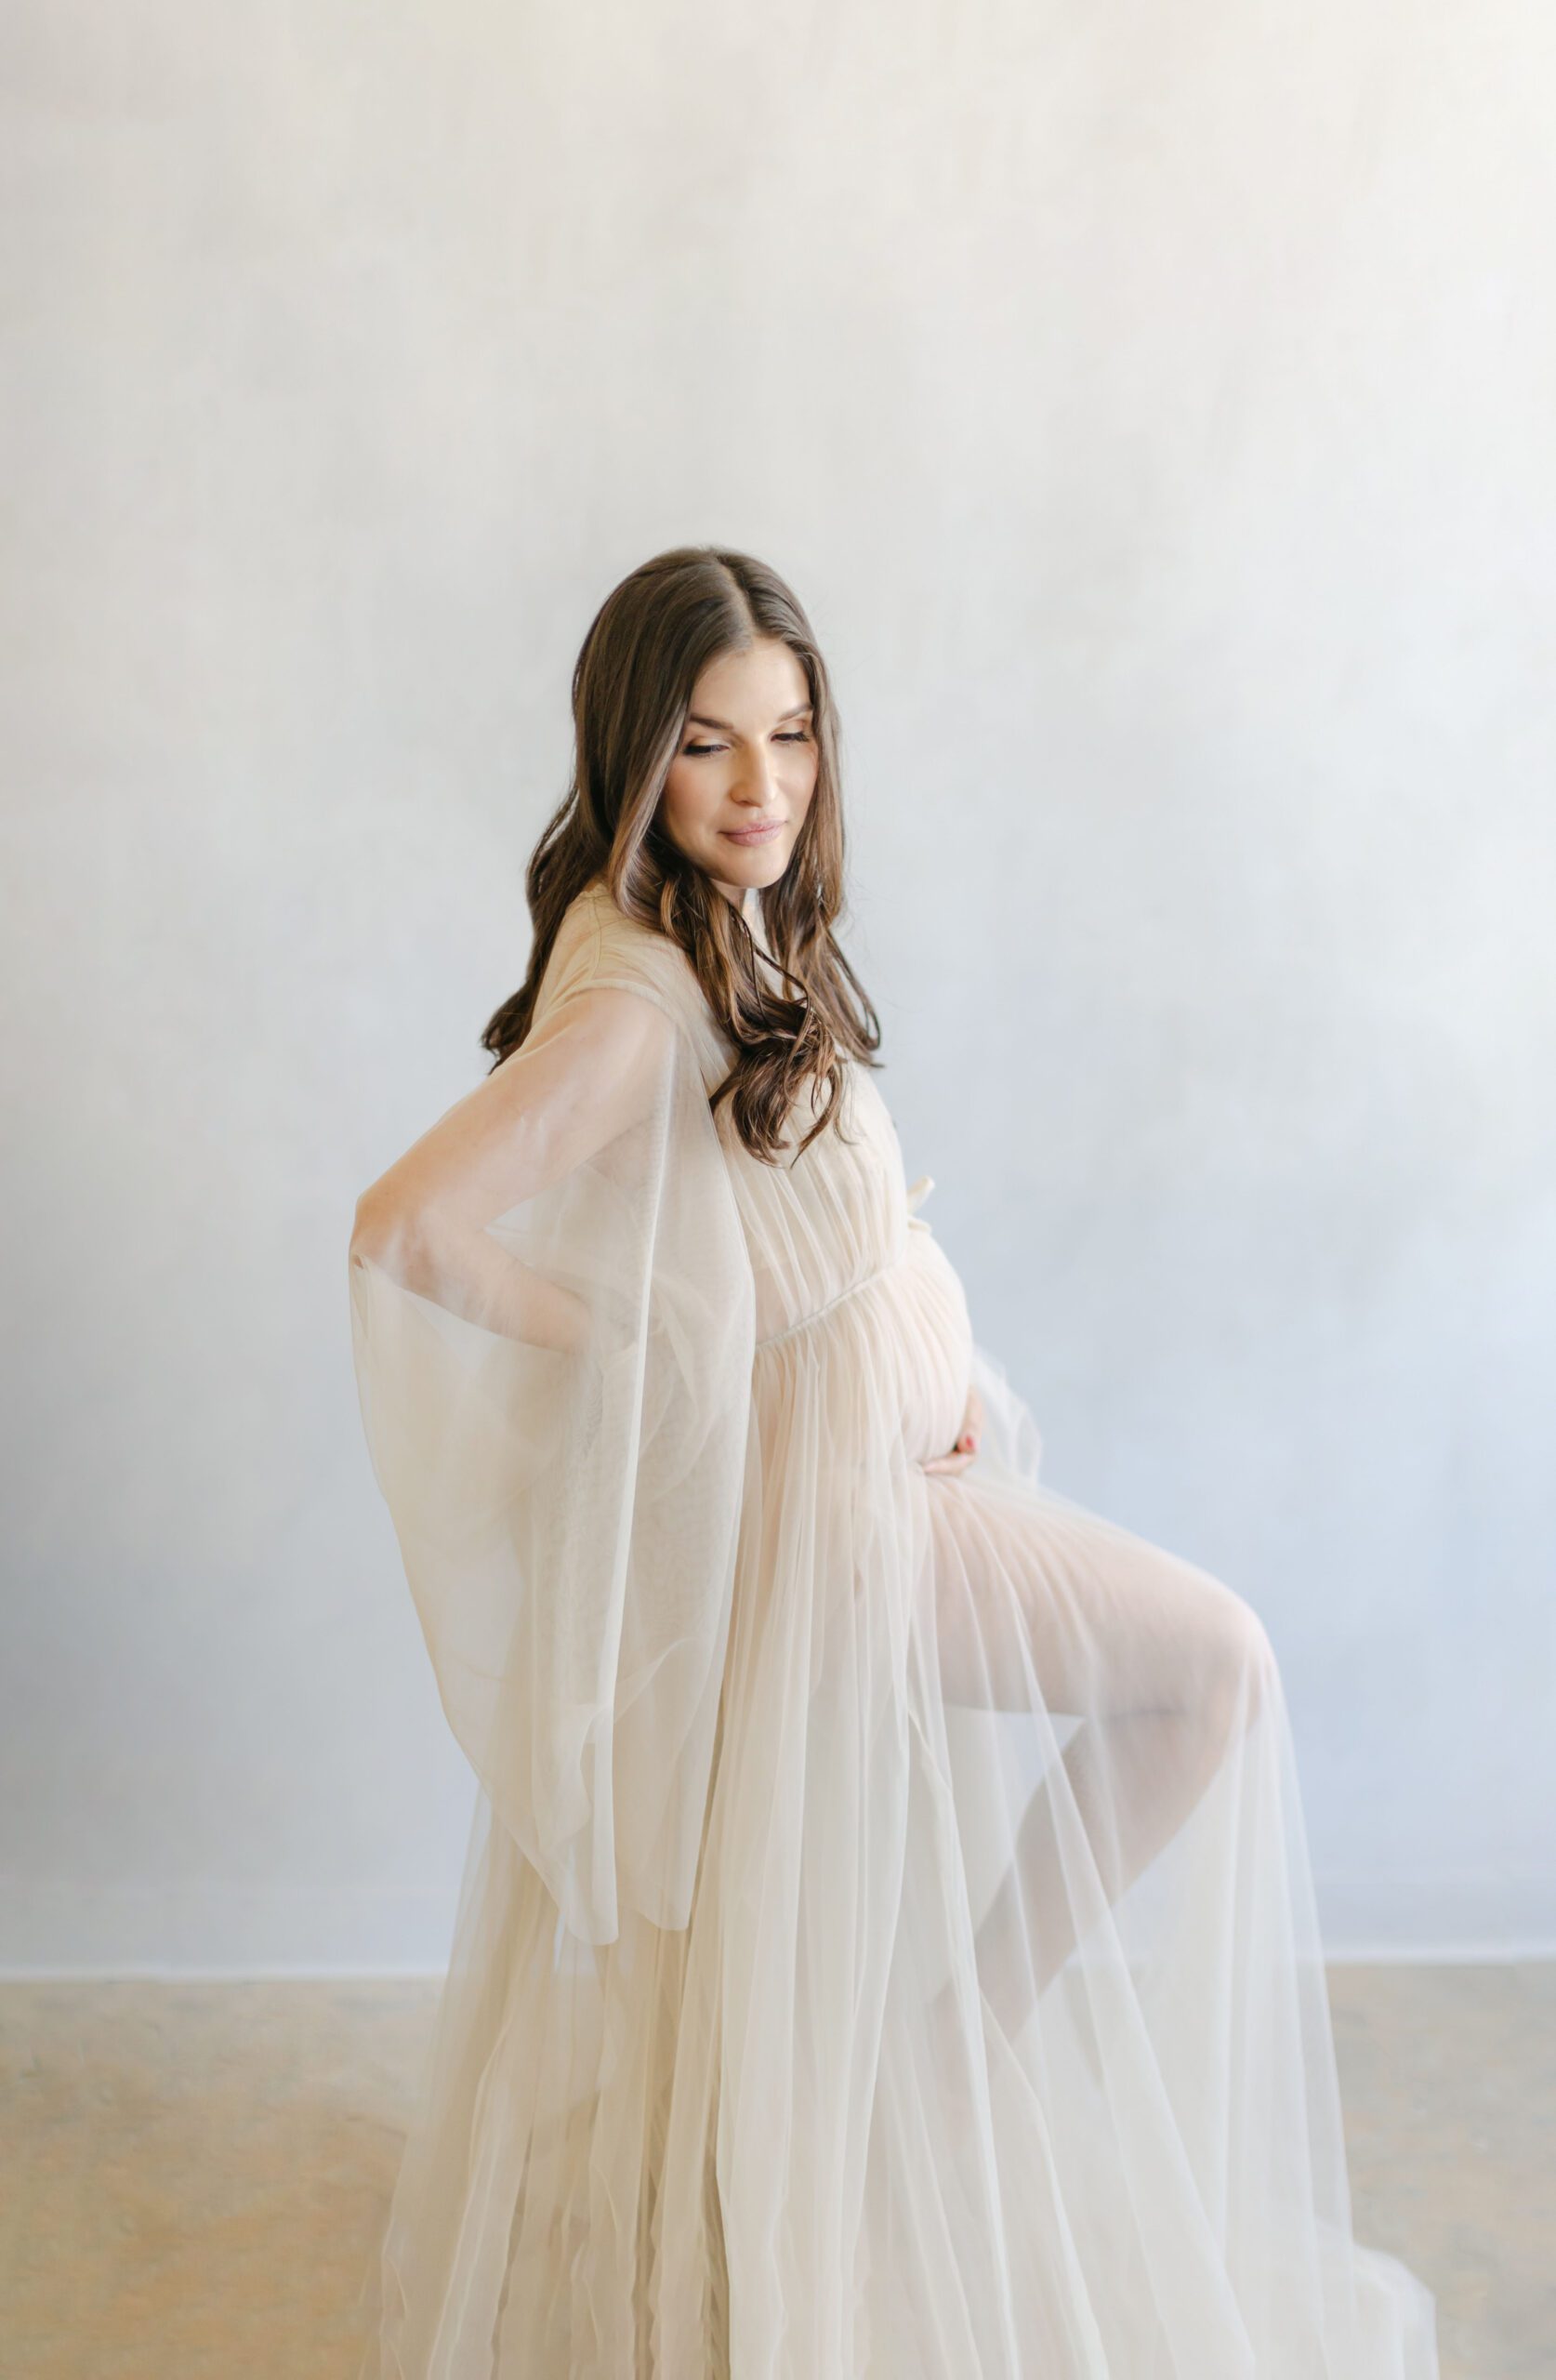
752	866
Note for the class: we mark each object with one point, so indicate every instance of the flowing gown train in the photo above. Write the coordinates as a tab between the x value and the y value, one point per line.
887	1949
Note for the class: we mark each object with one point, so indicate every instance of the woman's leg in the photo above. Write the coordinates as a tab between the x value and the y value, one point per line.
1042	1606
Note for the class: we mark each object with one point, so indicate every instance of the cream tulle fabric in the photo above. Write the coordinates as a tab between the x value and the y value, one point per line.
887	1950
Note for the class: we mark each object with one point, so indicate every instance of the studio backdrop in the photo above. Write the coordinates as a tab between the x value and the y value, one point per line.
1152	407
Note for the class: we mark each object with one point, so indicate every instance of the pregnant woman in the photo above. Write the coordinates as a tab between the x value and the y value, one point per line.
887	1949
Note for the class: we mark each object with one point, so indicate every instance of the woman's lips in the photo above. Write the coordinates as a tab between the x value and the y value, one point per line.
761	834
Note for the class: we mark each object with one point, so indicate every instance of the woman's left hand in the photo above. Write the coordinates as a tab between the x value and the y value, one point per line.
968	1437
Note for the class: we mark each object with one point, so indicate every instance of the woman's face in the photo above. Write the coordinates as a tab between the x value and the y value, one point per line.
742	776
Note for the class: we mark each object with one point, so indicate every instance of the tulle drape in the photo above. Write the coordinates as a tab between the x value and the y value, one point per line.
568	1518
963	2017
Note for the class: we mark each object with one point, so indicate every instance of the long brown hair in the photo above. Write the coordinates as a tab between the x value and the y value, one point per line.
632	684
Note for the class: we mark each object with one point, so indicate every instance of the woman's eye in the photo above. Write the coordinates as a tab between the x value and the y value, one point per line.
795	735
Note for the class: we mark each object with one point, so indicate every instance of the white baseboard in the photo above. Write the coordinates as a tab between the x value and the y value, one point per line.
199	1931
214	1931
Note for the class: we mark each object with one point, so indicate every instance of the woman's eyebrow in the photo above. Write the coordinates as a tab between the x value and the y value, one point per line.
698	719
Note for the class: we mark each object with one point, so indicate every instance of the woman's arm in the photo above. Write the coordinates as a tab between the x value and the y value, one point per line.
587	1073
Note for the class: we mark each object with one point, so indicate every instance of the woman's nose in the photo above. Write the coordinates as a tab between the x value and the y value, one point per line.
758	781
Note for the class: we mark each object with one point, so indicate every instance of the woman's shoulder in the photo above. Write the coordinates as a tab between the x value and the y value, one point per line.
598	947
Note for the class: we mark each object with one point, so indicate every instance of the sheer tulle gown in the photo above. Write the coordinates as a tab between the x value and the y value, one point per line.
887	1950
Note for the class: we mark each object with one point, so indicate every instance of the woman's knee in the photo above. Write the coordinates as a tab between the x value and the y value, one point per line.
1241	1664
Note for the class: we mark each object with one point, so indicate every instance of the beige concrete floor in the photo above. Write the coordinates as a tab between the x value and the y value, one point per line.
195	2173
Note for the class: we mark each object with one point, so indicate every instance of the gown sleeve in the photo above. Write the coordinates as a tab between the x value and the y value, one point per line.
568	1521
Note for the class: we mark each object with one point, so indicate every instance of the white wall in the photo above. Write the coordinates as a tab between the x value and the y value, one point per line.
1153	406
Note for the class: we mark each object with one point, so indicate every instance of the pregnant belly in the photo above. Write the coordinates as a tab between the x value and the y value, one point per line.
893	1359
934	1346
